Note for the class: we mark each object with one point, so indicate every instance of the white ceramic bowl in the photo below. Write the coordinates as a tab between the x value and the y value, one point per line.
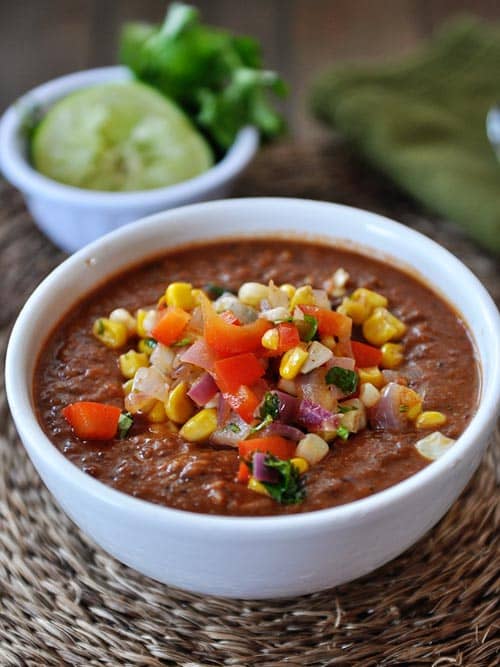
263	556
72	217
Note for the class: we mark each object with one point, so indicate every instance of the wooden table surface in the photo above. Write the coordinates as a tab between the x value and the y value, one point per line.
41	39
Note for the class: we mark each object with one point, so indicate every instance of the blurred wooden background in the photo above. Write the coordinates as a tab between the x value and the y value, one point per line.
41	39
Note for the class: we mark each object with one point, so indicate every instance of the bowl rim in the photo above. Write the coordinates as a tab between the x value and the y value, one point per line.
18	170
19	393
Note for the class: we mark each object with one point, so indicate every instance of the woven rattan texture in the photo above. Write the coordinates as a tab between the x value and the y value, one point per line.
63	601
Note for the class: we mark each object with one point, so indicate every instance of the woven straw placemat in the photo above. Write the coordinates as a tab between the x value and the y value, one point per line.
63	601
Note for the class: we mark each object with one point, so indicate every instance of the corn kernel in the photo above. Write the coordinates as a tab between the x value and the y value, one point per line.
430	419
201	426
312	448
382	326
303	296
179	406
355	419
140	317
112	334
198	295
356	310
270	340
360	305
371	299
131	361
256	486
180	295
127	386
434	445
411	403
288	289
146	346
369	394
172	428
392	355
157	413
373	375
291	362
122	315
252	294
301	464
329	342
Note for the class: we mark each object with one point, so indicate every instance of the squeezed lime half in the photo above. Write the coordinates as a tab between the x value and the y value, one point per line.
118	137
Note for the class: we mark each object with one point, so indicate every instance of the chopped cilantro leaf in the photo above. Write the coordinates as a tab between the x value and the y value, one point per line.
270	406
346	408
125	422
343	432
233	427
214	291
100	327
342	378
182	342
290	489
265	422
150	343
312	323
307	327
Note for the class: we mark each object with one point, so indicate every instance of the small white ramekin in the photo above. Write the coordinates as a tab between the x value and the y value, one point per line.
72	217
263	556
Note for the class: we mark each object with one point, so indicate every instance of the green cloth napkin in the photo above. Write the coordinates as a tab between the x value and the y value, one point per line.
422	122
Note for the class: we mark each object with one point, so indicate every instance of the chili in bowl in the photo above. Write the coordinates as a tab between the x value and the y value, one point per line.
277	389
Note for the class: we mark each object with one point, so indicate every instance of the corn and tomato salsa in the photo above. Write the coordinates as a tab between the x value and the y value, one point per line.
257	378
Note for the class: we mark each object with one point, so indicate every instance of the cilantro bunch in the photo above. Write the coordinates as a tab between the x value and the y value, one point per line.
215	77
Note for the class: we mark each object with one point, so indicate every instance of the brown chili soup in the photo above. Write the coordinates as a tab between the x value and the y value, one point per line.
156	464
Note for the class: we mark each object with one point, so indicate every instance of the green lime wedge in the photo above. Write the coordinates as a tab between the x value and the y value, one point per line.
118	137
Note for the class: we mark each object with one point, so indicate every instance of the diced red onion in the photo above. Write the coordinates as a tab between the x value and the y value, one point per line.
312	415
394	376
230	436
312	387
283	430
261	472
223	411
203	390
196	321
288	406
150	382
341	362
200	355
332	423
386	414
162	358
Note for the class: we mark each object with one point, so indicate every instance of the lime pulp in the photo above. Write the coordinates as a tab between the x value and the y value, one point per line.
118	137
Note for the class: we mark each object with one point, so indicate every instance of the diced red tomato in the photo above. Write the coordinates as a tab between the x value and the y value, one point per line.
343	348
365	355
227	339
330	323
283	449
243	473
169	329
232	372
92	421
288	336
229	317
244	401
